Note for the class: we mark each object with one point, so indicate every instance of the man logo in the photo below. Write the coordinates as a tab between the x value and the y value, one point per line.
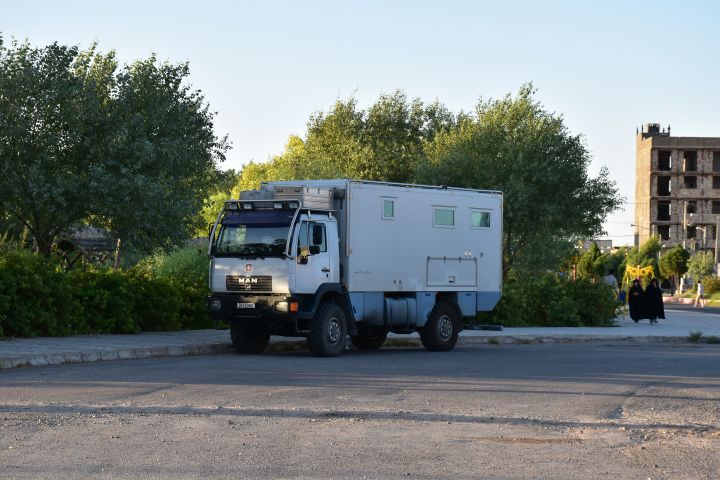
248	267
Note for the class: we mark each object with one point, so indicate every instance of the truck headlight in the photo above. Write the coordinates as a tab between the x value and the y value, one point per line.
286	306
215	304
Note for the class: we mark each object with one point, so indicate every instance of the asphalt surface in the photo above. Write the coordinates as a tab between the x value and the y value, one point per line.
480	411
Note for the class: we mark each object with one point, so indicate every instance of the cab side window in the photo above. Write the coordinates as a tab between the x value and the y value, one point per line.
311	239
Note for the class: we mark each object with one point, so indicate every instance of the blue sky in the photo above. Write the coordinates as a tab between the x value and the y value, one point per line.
265	67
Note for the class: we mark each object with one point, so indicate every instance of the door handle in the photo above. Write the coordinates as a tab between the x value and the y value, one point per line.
325	269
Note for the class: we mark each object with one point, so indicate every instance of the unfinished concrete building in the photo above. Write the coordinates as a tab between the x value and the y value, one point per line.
677	188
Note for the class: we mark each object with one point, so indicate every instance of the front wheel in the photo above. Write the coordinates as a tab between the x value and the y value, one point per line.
328	329
440	333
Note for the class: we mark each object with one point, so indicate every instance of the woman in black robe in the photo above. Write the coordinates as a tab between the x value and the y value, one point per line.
654	301
636	300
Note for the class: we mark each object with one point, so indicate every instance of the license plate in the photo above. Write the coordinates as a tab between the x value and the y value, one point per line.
245	305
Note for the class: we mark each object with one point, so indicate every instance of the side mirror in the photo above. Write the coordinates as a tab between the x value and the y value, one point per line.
210	228
302	257
314	249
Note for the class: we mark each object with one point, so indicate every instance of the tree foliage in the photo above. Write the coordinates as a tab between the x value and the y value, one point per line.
385	142
700	265
84	141
516	146
592	262
674	263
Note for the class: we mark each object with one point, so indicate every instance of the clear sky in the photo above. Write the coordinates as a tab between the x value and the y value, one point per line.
266	66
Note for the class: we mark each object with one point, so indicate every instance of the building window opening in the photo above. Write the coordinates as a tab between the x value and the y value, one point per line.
715	208
690	181
691	207
716	161
664	160
663	186
663	211
664	231
690	232
716	183
690	161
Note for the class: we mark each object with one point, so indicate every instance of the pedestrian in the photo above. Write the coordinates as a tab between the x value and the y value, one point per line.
700	295
636	300
611	281
654	302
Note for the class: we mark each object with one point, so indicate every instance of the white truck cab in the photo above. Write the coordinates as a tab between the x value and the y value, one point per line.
328	258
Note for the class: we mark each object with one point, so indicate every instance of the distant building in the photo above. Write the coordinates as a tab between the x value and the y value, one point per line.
605	246
677	188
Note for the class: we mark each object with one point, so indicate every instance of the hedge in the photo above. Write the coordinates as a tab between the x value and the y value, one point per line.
38	298
551	301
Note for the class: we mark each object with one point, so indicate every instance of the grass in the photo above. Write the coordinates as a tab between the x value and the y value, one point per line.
494	341
695	336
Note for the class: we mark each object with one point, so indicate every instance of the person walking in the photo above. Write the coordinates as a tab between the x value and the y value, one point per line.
654	302
611	281
636	301
700	295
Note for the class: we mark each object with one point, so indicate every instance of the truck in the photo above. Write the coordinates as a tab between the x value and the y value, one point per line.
328	259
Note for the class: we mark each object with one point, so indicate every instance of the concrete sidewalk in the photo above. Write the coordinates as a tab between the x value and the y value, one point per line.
25	352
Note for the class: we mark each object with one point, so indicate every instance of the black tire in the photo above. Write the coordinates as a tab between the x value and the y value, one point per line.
248	341
369	338
440	333
328	331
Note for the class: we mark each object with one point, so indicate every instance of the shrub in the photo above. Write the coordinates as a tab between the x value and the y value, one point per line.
712	285
695	336
108	301
551	301
38	298
188	265
35	299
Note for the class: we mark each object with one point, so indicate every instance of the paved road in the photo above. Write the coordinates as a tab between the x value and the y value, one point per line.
481	411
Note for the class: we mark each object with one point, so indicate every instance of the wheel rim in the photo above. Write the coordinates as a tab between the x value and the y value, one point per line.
334	330
445	327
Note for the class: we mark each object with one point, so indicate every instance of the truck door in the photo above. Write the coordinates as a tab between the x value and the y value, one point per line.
315	256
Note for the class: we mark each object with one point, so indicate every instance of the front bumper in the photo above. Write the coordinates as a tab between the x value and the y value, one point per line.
266	312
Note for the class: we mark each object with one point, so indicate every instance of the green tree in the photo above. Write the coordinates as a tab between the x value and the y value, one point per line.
516	146
674	264
385	142
586	264
84	142
646	255
700	265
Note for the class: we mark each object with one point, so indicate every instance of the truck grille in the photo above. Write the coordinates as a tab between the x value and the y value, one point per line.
238	283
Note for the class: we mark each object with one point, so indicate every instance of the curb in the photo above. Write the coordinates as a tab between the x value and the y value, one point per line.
62	358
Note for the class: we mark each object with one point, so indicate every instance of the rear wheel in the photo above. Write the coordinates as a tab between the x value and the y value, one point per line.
328	330
369	338
440	333
248	341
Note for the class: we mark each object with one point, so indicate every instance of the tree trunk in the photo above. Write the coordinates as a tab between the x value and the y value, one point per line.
118	246
44	244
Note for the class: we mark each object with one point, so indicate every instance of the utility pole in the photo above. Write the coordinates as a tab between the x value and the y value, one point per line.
717	226
684	222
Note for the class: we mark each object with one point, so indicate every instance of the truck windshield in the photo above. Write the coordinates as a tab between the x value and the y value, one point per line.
254	233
